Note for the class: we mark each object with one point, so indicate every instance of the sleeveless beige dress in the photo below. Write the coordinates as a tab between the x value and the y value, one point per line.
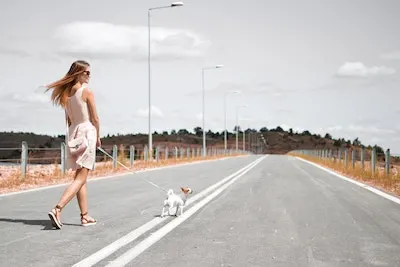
78	113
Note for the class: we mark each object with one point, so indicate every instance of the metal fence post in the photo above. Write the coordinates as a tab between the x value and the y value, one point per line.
176	153
115	155
387	161
63	158
373	161
24	159
132	155
353	158
166	153
345	158
157	154
362	158
145	153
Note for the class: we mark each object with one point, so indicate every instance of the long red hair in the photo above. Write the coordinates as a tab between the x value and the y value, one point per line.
62	87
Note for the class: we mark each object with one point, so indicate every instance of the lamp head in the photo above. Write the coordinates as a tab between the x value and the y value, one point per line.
176	4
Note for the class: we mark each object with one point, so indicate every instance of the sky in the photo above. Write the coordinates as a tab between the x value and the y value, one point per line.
325	66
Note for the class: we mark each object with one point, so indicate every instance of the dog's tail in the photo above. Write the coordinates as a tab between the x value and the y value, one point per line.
170	192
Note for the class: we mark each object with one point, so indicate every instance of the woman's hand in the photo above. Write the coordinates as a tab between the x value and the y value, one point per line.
98	142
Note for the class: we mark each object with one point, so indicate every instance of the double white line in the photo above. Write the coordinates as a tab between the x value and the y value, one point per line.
156	236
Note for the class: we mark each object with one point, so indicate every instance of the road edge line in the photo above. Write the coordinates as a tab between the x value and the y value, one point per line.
365	186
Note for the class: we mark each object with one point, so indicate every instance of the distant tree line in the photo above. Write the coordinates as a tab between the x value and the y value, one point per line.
47	141
198	131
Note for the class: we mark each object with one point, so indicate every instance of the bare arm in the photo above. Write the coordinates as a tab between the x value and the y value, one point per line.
88	96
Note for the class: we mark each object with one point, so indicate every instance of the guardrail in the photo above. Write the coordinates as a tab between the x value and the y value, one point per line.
128	155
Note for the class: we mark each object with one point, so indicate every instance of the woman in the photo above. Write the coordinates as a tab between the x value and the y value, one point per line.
72	93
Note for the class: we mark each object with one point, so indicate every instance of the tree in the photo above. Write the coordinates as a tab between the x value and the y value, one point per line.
198	131
306	133
237	128
328	136
211	134
379	150
348	143
290	131
173	132
183	132
337	143
356	142
263	130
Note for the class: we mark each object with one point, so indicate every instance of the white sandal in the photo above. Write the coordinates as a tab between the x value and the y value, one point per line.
87	222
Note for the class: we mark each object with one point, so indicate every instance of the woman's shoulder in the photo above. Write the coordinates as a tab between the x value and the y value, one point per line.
87	93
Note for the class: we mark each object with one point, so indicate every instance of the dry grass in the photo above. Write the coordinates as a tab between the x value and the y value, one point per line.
38	176
389	183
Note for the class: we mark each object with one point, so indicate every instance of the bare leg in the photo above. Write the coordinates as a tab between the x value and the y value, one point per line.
82	198
72	189
83	204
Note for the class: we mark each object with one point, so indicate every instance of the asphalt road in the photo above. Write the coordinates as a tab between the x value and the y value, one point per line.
282	212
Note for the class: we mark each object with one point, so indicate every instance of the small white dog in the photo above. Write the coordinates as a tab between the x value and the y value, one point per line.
175	201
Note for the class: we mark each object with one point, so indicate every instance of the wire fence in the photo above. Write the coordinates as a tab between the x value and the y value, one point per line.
25	156
365	159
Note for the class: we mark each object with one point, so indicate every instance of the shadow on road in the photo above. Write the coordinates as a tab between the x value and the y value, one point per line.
46	223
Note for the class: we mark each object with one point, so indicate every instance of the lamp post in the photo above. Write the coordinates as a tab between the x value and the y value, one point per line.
173	4
202	82
225	131
237	125
244	137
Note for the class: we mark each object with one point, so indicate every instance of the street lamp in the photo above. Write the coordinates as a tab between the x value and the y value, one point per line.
244	137
173	4
225	132
237	124
202	79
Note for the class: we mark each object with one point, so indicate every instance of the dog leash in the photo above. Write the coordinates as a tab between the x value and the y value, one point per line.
150	182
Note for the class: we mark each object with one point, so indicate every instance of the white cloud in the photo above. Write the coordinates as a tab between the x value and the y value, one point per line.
34	101
144	113
31	98
358	69
106	40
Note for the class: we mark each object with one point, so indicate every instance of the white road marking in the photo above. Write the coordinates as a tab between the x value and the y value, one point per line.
111	248
156	236
94	179
372	189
